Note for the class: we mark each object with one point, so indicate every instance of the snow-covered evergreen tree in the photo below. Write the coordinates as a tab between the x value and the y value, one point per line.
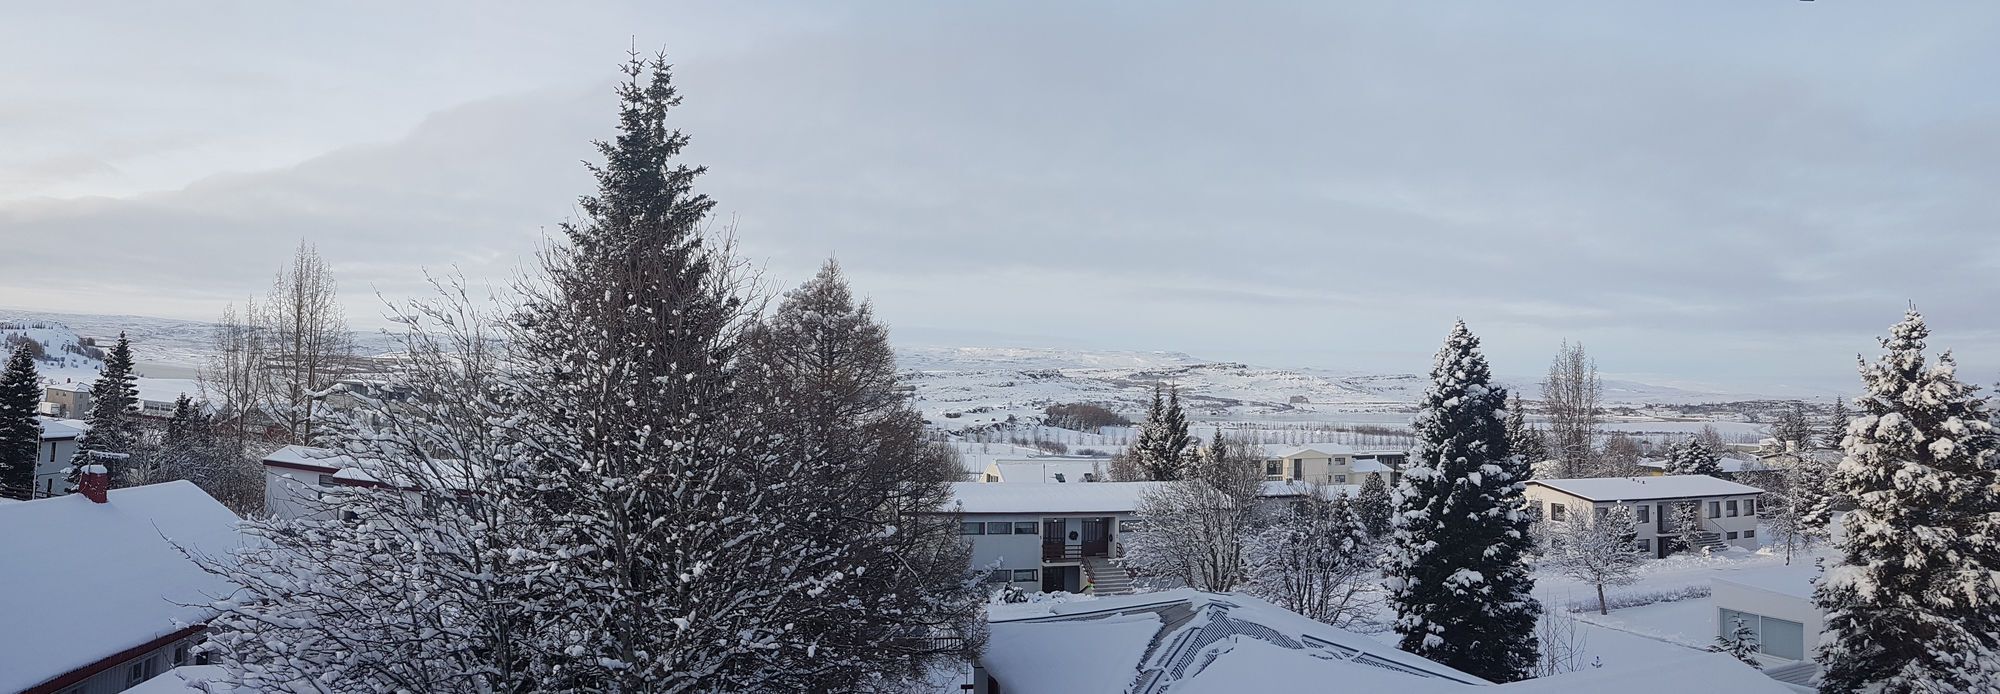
1316	560
1596	549
1795	509
1374	506
1455	573
1835	428
827	375
114	435
20	431
1741	643
1793	430
1693	456
679	533
1914	604
1162	446
1523	439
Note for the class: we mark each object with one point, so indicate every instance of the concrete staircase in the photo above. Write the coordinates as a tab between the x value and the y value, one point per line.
1706	542
1106	578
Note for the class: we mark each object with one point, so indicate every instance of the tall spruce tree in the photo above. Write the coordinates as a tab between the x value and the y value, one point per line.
1524	440
20	431
678	535
1374	506
1693	457
114	436
1836	425
1914	605
1455	573
1162	447
824	370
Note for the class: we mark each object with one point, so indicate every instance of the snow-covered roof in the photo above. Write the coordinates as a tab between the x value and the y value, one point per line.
321	458
1371	465
1148	643
72	387
1670	671
1035	497
1642	488
1188	642
189	679
1279	489
53	428
1315	449
97	579
341	466
1795	580
1045	470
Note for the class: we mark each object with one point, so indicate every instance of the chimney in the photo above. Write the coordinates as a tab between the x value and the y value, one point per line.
94	483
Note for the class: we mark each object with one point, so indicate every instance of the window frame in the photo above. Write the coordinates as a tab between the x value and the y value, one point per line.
1557	512
1034	575
1729	508
1714	509
1006	527
972	528
1642	513
1034	527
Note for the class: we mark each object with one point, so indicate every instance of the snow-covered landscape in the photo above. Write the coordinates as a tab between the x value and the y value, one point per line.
681	348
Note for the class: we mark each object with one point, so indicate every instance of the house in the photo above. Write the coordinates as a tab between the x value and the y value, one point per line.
58	445
1726	511
1731	467
1189	642
1775	602
295	478
101	580
1050	469
1049	537
69	400
1330	463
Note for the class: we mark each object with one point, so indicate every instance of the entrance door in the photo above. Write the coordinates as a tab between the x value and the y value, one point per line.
1095	540
1052	539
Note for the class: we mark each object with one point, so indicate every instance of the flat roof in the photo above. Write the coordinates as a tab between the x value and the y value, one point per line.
1637	488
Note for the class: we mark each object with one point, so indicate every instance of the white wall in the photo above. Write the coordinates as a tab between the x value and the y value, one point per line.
1745	520
1729	595
151	664
287	491
1025	551
50	460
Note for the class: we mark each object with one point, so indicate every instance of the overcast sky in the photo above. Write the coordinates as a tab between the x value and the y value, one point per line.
1731	194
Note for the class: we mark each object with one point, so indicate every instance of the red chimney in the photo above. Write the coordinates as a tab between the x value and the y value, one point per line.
94	483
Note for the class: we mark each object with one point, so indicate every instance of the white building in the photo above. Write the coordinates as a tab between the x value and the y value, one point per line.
59	438
1049	537
98	593
1329	463
1727	510
294	477
1775	602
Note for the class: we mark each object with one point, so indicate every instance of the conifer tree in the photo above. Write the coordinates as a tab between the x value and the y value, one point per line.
676	532
823	369
1524	440
1693	457
20	431
1373	505
113	437
1836	425
1914	606
1455	573
1162	447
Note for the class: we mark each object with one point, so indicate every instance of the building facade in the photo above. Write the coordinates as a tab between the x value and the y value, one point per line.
1724	512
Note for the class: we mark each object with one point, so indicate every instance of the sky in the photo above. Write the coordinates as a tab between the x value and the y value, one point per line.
1731	195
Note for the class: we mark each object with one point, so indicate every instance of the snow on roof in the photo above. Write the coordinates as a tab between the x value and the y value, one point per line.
1295	450
1795	580
53	428
107	577
1371	465
189	679
443	473
1279	489
1035	497
1671	671
1146	644
1640	488
322	458
1071	469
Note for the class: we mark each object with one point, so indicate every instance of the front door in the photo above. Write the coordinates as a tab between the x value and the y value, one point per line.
1096	542
1052	539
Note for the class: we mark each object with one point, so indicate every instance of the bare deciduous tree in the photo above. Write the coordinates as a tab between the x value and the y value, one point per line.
1194	533
1571	395
307	346
1595	549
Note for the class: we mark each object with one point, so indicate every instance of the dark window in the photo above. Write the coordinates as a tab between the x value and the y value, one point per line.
1732	534
1643	514
1021	575
1000	576
1729	508
1646	545
1126	526
972	528
1059	478
1026	528
1340	479
1749	533
999	528
326	480
1557	512
181	655
1272	468
1715	509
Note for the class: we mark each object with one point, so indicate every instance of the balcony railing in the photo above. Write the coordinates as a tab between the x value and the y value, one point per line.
1061	552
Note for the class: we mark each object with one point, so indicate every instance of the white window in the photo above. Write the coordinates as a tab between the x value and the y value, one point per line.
140	671
1557	512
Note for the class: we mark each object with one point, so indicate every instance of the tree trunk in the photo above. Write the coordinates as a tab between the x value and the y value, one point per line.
1602	607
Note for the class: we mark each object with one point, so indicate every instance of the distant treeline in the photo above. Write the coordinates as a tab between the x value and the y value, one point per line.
1083	417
